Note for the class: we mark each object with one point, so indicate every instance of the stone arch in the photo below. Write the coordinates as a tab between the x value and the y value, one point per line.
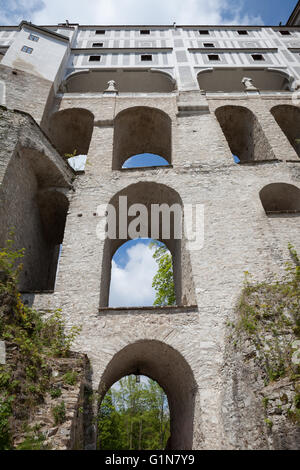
149	193
141	129
127	81
227	80
28	188
169	368
71	129
2	93
280	198
244	133
288	118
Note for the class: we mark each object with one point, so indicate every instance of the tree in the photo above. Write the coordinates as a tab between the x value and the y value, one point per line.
134	416
163	281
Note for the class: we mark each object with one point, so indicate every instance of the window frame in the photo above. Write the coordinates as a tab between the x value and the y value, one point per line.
33	37
100	31
97	44
209	44
204	32
259	57
27	49
145	32
210	57
95	58
143	57
242	32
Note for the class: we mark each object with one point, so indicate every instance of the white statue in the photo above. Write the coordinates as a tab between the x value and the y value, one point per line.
111	86
248	84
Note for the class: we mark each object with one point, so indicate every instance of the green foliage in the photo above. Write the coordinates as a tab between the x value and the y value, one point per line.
59	413
70	378
35	339
33	441
134	416
5	414
163	281
55	392
270	314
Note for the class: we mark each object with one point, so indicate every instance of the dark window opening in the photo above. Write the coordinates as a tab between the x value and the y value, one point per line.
285	33
204	32
258	57
100	31
243	32
213	57
98	44
27	49
209	44
145	31
95	58
146	58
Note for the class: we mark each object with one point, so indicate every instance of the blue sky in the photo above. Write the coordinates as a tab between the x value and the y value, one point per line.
147	11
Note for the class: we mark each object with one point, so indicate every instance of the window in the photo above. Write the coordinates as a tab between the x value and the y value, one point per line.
95	58
209	44
243	32
145	31
100	31
204	32
34	38
257	57
146	58
98	44
213	57
27	49
285	33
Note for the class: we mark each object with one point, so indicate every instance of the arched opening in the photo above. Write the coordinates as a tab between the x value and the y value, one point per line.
229	80
288	119
280	198
134	415
44	208
127	81
148	210
71	131
157	361
244	134
145	160
141	130
133	271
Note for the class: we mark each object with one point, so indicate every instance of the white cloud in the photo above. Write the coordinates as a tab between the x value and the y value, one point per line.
132	286
133	11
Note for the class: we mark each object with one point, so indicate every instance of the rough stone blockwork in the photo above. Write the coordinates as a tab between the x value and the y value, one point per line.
246	226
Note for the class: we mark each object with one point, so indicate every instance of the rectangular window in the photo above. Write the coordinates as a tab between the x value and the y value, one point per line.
209	44
145	31
257	57
34	38
204	32
285	33
213	57
98	44
100	31
243	32
95	58
146	58
27	49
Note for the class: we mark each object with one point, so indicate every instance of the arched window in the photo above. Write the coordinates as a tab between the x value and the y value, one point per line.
145	160
141	130
133	271
288	118
227	80
280	198
127	81
156	360
155	211
40	195
244	134
71	130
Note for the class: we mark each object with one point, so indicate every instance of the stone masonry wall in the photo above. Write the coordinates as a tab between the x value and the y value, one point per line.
238	237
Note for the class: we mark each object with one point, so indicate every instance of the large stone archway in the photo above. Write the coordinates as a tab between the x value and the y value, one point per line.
169	368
